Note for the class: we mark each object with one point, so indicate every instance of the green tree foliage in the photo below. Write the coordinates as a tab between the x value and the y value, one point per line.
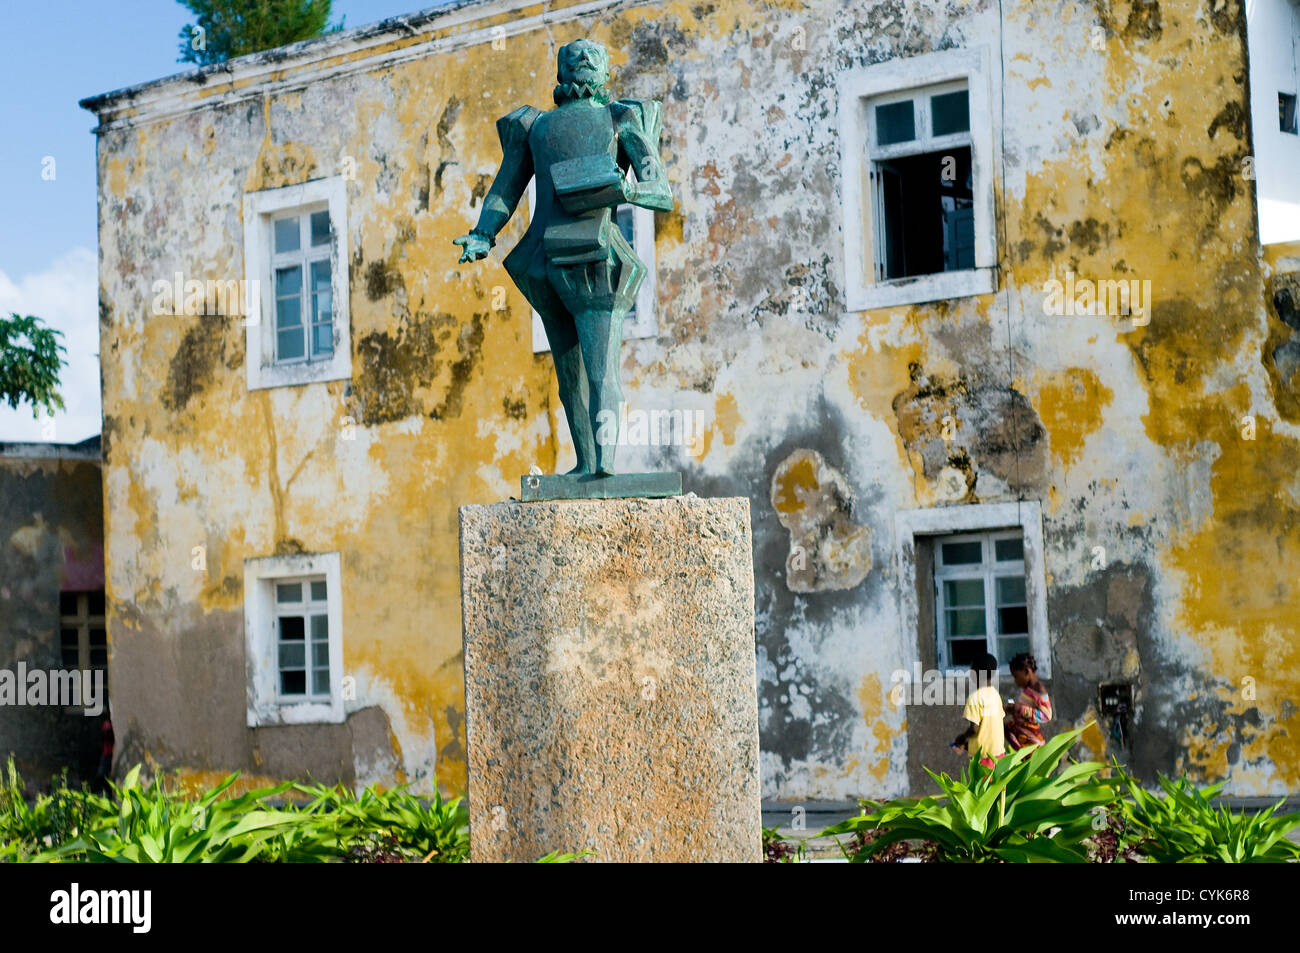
30	363
230	28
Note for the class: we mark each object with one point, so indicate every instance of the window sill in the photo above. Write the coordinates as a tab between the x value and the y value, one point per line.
296	375
297	713
923	288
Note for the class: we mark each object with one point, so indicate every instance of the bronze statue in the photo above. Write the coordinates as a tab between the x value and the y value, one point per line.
573	264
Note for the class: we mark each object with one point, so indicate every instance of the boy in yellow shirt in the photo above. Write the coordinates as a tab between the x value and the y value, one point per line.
984	737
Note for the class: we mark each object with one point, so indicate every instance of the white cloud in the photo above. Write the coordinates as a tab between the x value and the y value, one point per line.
65	296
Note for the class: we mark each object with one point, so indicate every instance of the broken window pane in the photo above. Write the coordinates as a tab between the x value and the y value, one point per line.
1013	620
961	652
293	683
291	627
68	603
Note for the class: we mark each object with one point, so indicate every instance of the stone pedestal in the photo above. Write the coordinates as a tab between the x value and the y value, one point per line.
610	690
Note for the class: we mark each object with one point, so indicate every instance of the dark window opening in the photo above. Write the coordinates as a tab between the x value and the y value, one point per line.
929	213
1286	112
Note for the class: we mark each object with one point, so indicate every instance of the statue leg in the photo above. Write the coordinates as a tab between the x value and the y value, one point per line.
599	295
601	337
562	335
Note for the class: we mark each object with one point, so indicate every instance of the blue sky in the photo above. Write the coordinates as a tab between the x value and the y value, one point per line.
53	54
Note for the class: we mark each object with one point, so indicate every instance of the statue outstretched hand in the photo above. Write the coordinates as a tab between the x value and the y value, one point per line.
476	247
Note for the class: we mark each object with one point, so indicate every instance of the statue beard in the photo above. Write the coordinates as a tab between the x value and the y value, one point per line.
568	92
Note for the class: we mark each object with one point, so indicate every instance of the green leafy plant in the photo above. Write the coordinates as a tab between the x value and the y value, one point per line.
390	825
899	850
1113	841
153	825
30	363
1022	810
778	850
1183	826
50	820
555	857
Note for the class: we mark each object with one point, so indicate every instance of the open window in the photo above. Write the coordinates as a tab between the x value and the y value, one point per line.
921	170
917	160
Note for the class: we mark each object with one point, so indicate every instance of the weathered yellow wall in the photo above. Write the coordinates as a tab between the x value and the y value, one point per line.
1122	159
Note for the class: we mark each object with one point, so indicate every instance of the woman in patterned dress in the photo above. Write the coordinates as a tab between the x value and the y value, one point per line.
1032	709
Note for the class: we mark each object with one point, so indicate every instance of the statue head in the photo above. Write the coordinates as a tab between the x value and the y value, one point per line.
582	69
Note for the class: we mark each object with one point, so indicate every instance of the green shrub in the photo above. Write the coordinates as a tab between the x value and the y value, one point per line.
393	825
154	824
1184	827
1022	810
49	821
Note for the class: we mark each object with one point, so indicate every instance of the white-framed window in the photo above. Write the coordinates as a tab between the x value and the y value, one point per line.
916	141
301	271
980	597
638	226
919	151
295	266
1008	538
293	639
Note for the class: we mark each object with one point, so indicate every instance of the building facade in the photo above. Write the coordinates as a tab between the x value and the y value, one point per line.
968	299
53	637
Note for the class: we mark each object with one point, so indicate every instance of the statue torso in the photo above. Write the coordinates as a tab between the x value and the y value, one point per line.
567	132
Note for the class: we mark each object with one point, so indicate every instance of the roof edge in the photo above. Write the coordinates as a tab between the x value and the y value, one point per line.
297	54
88	449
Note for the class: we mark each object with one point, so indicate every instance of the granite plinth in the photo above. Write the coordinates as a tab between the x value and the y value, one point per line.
610	692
